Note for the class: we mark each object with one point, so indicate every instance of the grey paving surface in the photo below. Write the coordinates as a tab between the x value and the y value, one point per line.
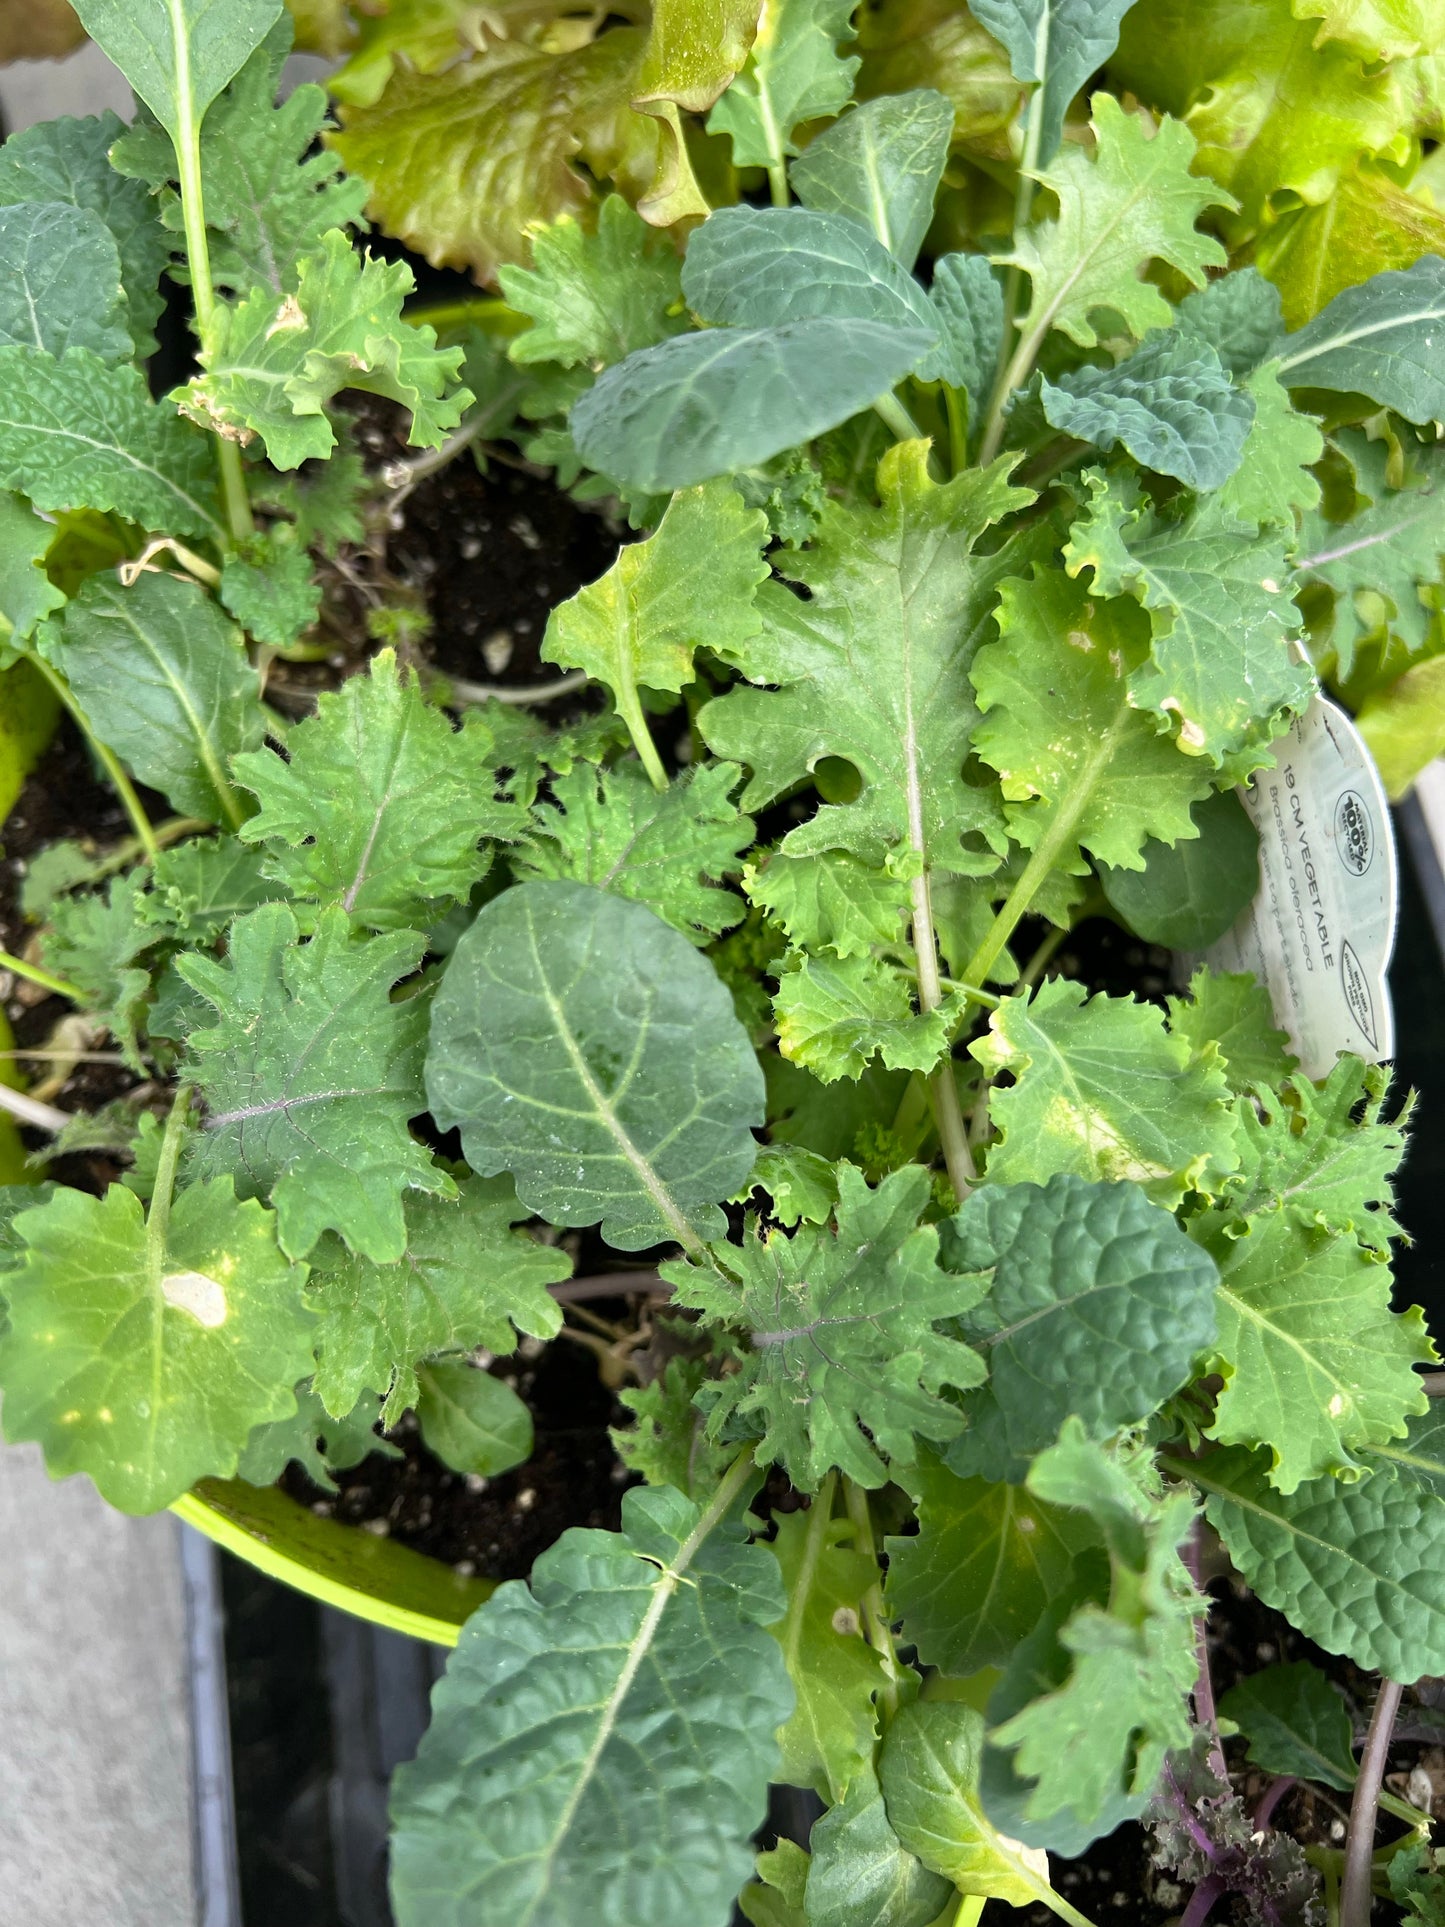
95	1817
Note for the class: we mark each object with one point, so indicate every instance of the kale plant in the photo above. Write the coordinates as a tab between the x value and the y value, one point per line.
966	598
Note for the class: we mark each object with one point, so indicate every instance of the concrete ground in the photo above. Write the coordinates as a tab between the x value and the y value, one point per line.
95	1750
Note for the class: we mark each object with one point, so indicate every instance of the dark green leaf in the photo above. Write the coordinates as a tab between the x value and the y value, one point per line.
1381	340
315	1441
794	74
861	1873
618	1716
1238	314
178	54
968	310
60	281
1058	44
1170	403
1190	892
1295	1722
564	1001
705	404
761	267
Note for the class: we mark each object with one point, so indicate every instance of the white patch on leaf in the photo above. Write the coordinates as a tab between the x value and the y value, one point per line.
194	1292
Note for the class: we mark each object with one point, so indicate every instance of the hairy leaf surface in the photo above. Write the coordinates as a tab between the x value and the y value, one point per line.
585	1047
464	1281
837	1331
310	1074
380	806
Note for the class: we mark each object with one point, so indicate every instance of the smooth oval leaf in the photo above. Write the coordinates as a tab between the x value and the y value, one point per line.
601	1744
178	54
585	1046
1057	44
1190	892
759	267
60	281
166	682
1296	1723
472	1421
880	166
861	1874
1385	340
704	404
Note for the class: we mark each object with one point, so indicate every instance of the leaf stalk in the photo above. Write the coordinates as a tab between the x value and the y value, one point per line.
33	974
109	761
1355	1896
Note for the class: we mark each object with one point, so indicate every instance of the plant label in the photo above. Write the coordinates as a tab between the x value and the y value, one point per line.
1322	925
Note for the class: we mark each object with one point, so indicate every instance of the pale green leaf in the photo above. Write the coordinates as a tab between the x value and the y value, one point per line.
66	161
987	1558
775	1898
1233	1015
800	1185
795	73
143	1354
594	298
1189	893
834	1015
585	1047
829	901
379	805
95	940
276	360
1133	202
666	1444
79	432
199	886
1295	1723
1098	1307
464	1281
614	1720
837	1332
1315	1363
178	54
1273	482
1239	315
310	1074
861	1874
60	281
667	849
470	1420
1420	1457
27	595
762	267
929	1771
1360	1569
1323	1154
1058	44
1101	1089
830	1738
1076	759
1377	29
874	669
1170	403
692	583
728	398
1221	666
1382	340
880	165
166	683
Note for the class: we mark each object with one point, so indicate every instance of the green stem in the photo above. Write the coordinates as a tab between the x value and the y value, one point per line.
234	498
947	1112
970	1910
875	1619
110	762
1056	839
32	973
896	418
957	430
158	1218
629	708
778	183
1009	377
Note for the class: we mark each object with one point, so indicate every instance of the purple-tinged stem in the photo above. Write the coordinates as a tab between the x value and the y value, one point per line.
1204	1713
1193	1826
1201	1901
1270	1799
1360	1839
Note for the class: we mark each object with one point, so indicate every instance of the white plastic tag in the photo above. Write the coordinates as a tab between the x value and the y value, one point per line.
1320	931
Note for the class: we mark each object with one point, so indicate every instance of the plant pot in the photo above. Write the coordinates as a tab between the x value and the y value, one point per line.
342	1566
